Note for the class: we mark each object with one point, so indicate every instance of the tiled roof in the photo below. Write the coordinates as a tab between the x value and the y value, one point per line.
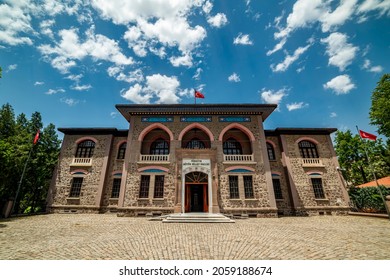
385	181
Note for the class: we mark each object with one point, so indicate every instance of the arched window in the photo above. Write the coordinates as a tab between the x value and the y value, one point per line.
270	152
85	149
122	151
195	143
159	147
232	147
307	149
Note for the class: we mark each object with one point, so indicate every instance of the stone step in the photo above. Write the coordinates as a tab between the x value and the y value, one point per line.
196	218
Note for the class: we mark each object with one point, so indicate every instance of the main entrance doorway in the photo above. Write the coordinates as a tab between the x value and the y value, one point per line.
196	192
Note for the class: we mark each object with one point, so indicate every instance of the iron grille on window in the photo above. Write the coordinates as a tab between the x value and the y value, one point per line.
85	149
76	187
159	186
308	149
159	147
233	187
144	188
121	151
232	147
277	189
248	187
195	143
116	186
271	152
317	187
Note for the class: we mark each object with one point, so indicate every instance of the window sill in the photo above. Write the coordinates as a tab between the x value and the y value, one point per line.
322	199
73	200
279	199
159	199
250	199
143	198
235	199
113	199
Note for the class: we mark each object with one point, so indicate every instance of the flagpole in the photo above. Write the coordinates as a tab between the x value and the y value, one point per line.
373	173
21	179
195	96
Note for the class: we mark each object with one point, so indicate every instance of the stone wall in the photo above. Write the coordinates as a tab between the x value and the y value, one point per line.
87	201
335	200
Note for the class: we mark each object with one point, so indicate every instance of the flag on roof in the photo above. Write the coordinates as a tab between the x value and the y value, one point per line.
198	94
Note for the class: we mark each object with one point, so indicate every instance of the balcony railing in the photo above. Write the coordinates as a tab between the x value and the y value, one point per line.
312	162
238	158
154	158
81	162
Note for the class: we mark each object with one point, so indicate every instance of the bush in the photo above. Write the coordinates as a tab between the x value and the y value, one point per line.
369	199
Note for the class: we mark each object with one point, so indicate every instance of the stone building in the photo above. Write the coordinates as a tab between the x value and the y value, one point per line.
214	158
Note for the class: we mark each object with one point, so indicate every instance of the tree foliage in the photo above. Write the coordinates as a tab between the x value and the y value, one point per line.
16	141
368	199
380	106
350	150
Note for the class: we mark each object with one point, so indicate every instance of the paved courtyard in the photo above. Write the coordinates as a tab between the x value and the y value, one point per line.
106	236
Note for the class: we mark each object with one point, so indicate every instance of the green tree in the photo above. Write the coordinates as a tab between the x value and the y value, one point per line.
16	142
1	70
353	161
380	106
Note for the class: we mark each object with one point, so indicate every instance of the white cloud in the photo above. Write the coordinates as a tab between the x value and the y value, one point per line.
154	23
296	106
207	7
333	115
234	78
341	53
277	47
81	87
307	12
342	13
45	26
63	55
383	7
37	83
375	69
114	114
15	22
12	67
197	74
283	66
218	20
54	91
185	60
340	85
130	77
165	89
75	78
273	97
242	39
69	101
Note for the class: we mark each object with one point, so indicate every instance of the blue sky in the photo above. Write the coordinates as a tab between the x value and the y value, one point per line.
319	60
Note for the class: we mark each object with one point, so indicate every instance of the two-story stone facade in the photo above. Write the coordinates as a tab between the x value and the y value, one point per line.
214	158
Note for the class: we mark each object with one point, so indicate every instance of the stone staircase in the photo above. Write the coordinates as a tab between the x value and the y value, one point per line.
194	218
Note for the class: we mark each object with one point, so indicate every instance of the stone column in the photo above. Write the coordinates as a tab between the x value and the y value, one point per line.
103	175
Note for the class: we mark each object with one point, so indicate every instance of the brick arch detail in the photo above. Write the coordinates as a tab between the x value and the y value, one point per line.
196	125
240	127
120	143
271	143
82	139
240	167
154	126
83	171
305	138
153	167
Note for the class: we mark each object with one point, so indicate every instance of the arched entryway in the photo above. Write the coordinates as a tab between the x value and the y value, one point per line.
196	192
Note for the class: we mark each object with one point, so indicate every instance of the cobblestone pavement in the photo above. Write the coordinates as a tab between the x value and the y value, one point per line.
106	236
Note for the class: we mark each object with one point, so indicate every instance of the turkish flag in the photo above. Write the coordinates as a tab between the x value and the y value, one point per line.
367	135
198	94
36	138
